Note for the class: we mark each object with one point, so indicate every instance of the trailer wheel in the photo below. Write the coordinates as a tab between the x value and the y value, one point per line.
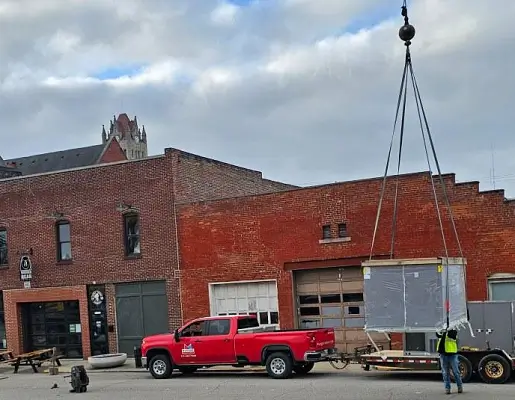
279	365
465	367
494	368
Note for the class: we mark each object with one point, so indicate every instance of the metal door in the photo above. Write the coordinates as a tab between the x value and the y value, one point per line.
498	324
477	321
141	310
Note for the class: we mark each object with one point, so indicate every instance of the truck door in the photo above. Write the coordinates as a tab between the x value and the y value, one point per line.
218	344
187	350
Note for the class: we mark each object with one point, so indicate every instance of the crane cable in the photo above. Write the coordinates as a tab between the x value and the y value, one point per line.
406	34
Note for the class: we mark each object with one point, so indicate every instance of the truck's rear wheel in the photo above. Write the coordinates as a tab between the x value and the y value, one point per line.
494	368
465	367
304	368
279	365
160	366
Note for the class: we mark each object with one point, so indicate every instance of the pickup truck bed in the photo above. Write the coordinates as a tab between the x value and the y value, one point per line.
237	341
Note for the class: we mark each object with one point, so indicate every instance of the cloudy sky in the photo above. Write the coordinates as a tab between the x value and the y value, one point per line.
303	90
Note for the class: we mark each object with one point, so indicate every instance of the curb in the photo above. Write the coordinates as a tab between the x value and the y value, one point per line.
141	370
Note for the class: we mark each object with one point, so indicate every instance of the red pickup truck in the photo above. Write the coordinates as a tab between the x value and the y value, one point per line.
238	341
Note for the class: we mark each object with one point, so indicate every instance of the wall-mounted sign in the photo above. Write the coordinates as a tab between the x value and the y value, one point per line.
97	297
25	268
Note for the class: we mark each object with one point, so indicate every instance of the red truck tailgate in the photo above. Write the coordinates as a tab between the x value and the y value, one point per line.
321	339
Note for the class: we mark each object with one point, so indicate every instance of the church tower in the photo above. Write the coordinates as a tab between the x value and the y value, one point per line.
132	139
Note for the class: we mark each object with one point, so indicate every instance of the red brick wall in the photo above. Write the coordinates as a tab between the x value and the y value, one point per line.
112	153
200	178
253	237
89	198
13	318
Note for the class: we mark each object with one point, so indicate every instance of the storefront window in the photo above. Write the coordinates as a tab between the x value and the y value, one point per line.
3	341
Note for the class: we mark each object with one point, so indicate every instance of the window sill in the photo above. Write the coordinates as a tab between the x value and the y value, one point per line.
334	240
64	262
133	257
4	266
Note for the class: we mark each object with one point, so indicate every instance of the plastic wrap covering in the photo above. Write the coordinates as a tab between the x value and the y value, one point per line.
410	295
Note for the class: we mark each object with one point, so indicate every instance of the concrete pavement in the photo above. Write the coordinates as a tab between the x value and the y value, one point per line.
322	384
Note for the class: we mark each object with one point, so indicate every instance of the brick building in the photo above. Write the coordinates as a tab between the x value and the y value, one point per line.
96	245
294	257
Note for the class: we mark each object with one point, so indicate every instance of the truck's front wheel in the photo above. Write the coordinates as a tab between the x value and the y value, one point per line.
279	365
160	366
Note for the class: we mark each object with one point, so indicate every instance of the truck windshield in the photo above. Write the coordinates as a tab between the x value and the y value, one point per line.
245	323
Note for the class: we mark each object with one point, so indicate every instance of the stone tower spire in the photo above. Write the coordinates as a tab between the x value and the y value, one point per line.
104	135
132	140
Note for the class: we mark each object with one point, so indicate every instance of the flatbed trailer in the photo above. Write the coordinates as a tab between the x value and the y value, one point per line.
493	366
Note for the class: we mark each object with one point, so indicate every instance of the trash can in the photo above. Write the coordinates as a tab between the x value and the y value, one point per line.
137	357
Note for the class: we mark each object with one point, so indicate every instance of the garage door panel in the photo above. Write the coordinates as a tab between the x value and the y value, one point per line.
245	298
307	288
349	287
330	287
337	299
351	274
329	275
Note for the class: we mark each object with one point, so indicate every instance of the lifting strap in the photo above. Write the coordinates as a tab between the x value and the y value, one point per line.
406	34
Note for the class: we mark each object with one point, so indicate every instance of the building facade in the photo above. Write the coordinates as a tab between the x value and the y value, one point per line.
293	258
89	254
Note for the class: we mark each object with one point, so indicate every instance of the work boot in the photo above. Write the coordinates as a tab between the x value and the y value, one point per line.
447	391
460	389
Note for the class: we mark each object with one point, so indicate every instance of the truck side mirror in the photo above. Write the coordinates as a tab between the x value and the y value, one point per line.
176	336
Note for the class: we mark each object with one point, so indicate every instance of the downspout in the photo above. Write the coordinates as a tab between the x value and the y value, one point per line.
174	162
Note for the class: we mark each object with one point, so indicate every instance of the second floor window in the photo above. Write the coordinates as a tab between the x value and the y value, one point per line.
326	232
3	247
132	236
64	244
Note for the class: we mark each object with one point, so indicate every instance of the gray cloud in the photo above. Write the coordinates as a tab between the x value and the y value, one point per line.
322	112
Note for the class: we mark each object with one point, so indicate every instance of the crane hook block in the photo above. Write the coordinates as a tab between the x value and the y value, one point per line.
407	32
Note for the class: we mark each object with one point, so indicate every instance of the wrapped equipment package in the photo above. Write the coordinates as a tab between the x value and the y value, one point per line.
412	295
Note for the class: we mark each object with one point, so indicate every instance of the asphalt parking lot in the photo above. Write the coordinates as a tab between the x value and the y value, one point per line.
351	384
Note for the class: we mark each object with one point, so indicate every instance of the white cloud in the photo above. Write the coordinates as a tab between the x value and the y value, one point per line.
272	86
224	14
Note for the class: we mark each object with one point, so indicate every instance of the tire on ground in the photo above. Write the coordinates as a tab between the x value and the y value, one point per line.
494	368
304	368
279	365
466	369
160	366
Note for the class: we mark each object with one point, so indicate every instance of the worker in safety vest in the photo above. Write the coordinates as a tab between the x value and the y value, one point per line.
447	347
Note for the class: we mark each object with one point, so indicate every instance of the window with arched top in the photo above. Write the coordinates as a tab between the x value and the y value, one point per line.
3	247
64	241
132	234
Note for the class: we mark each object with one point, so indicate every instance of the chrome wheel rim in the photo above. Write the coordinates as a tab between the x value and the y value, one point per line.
159	367
278	366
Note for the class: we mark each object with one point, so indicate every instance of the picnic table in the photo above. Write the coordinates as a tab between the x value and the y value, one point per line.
33	359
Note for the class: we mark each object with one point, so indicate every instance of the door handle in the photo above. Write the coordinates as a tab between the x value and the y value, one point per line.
226	340
198	340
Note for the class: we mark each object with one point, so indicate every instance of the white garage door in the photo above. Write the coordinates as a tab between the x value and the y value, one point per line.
246	298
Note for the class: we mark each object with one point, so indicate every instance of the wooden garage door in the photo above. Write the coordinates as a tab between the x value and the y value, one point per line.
333	298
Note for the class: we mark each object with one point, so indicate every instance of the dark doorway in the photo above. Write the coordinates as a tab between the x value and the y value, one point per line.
54	324
98	320
141	310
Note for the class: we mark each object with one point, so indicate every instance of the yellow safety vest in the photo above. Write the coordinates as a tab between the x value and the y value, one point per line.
450	345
